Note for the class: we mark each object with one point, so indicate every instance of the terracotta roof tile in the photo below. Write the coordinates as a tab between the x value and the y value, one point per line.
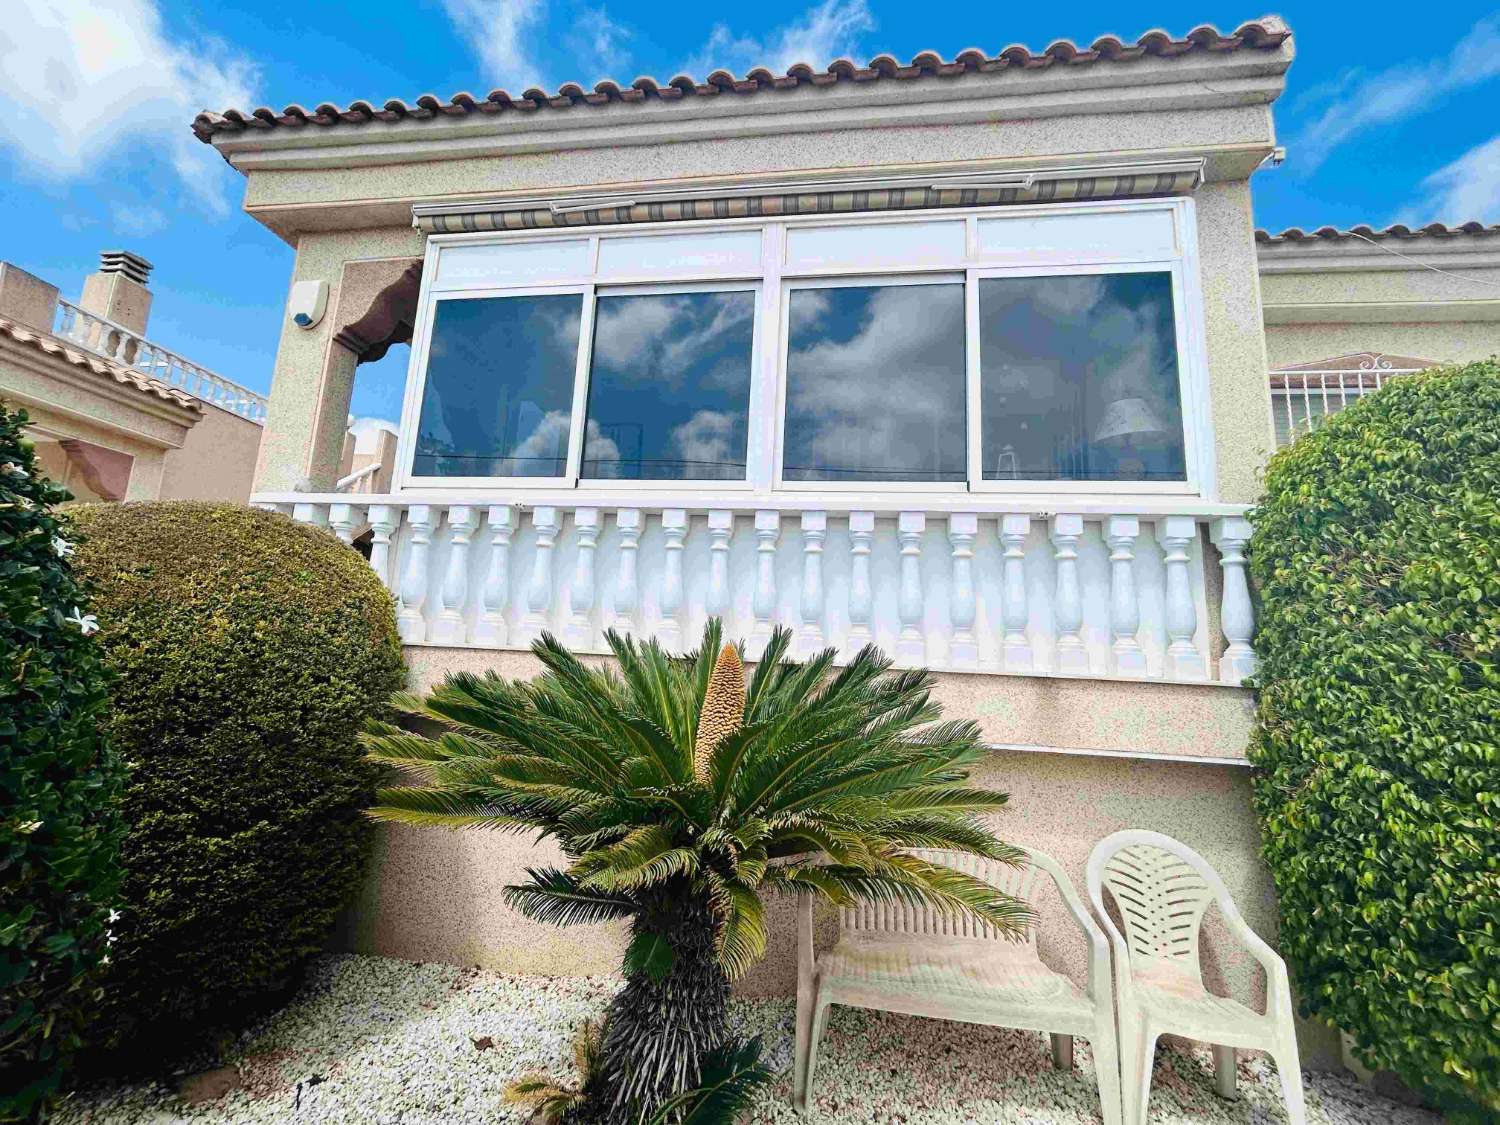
126	376
1398	230
1268	32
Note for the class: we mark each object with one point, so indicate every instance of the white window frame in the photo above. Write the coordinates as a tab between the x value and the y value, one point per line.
766	420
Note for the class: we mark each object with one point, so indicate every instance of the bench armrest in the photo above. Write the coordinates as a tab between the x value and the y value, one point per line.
1099	980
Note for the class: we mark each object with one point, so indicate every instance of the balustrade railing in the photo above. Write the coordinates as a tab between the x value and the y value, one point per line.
1091	592
113	341
1301	398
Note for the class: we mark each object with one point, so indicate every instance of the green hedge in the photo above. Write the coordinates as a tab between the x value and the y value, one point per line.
1377	557
248	652
60	827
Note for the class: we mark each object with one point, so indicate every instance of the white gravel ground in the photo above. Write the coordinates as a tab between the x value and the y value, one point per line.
382	1041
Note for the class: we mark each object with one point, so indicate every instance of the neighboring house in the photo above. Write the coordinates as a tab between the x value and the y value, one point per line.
963	357
115	416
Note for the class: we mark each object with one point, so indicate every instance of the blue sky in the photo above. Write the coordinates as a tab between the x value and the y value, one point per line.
1389	114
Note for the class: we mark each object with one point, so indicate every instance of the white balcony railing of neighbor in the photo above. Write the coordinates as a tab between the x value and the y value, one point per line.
361	482
1094	589
1302	399
113	341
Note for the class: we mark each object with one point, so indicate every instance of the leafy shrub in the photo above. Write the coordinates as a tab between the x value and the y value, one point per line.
1377	556
248	652
59	786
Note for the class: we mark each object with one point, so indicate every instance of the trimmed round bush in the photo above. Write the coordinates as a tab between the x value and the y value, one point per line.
60	825
248	651
1377	557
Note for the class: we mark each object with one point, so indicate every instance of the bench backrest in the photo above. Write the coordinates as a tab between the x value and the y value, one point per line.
877	919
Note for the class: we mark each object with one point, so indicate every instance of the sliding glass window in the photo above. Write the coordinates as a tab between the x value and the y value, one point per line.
669	386
875	384
1079	379
497	400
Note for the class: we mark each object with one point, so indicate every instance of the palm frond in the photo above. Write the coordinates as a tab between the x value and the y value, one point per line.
647	855
730	1077
443	808
557	898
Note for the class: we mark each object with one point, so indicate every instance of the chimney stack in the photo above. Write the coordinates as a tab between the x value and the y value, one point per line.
117	291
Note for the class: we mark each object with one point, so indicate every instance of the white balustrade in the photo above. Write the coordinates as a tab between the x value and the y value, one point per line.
448	627
1014	614
1185	659
911	645
544	521
580	630
763	602
494	594
130	349
410	621
1121	532
627	584
814	531
1099	590
963	649
861	598
720	530
1067	599
674	527
1236	615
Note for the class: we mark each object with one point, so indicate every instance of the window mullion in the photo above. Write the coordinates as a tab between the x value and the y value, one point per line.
764	423
581	386
972	380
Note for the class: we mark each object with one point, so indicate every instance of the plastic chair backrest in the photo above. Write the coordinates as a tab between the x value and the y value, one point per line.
883	919
1162	889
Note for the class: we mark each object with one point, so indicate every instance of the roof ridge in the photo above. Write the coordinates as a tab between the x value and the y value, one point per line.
1266	32
49	344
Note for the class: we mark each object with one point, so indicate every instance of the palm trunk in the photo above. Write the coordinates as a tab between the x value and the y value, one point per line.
657	1031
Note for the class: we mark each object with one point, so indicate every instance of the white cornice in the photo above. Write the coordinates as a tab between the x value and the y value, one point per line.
1383	312
1198	83
1314	255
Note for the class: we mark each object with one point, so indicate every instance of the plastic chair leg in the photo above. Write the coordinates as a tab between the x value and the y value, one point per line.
819	1025
1289	1070
1145	1057
1107	1073
1062	1052
1224	1072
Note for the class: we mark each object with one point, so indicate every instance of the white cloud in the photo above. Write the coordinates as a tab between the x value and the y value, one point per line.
136	219
1364	100
603	42
496	31
704	439
87	85
824	32
1468	188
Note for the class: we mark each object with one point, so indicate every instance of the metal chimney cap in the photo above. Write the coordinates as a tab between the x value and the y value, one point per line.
131	265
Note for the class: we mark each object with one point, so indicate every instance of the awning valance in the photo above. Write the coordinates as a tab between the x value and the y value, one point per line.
773	200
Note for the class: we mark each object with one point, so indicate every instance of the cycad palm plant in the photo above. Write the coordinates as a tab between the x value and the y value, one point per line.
681	799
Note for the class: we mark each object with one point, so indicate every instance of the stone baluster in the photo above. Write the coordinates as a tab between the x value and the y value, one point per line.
494	595
315	515
409	620
453	594
384	519
344	519
861	598
911	645
674	525
814	531
580	630
1231	535
763	603
1184	661
1014	613
1120	533
720	530
627	589
1067	603
544	521
963	649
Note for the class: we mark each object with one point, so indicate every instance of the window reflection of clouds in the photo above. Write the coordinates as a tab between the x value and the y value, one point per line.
875	384
669	387
499	387
1079	378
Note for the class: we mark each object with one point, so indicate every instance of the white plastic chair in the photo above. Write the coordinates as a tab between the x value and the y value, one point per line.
1162	889
924	963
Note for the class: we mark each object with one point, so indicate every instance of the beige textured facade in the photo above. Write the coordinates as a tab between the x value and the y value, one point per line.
1081	757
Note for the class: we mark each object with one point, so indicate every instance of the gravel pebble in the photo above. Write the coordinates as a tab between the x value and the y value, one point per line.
391	1042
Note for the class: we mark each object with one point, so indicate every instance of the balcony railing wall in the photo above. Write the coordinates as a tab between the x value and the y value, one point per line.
1095	591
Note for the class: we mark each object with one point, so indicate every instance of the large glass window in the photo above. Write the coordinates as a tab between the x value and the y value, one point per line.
875	384
1079	379
498	397
669	386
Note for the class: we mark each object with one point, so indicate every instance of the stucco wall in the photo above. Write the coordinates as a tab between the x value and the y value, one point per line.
216	461
1442	343
436	895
